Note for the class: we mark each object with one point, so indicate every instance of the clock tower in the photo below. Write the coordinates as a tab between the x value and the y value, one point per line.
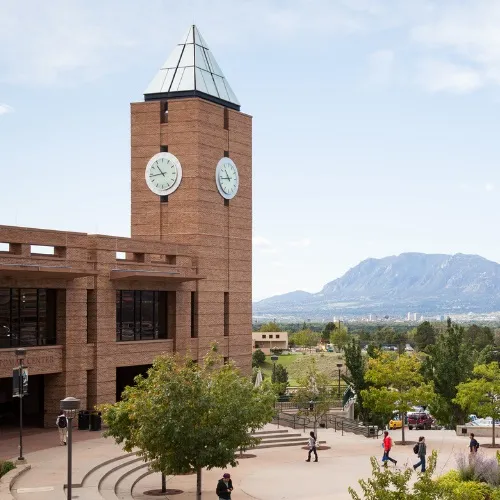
191	181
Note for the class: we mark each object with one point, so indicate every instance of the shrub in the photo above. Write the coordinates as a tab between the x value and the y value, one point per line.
258	358
479	467
277	351
453	487
6	467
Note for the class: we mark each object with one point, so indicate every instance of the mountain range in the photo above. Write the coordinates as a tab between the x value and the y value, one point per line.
428	284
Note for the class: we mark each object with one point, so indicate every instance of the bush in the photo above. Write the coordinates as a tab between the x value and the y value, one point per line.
479	468
6	467
258	358
453	487
277	351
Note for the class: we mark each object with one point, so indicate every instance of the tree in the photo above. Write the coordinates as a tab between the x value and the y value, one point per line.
327	331
356	365
270	327
450	362
314	395
306	338
481	394
398	385
340	337
280	376
479	336
258	358
425	335
156	415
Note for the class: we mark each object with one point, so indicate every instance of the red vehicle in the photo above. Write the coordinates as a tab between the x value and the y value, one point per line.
419	421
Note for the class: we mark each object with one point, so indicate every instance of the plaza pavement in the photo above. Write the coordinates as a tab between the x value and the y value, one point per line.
275	473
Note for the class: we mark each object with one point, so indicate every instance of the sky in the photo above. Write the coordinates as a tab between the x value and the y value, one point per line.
375	121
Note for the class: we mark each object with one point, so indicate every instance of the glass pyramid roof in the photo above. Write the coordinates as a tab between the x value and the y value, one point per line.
191	69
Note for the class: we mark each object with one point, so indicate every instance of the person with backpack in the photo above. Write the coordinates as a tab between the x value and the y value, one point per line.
62	425
224	487
312	447
473	444
387	445
420	449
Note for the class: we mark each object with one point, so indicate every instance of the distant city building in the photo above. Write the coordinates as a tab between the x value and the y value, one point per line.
414	316
268	340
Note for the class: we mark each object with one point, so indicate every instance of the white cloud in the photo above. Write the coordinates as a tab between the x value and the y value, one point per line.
303	243
465	43
439	76
278	263
380	66
489	187
5	108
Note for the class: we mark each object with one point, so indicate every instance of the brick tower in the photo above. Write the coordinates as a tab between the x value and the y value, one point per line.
191	182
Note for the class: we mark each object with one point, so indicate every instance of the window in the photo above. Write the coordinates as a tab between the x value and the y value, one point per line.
194	315
226	154
264	336
226	314
226	360
226	202
270	336
277	336
163	149
226	118
27	317
141	315
164	112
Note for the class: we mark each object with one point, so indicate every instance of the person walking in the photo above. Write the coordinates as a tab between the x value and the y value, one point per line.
312	447
473	444
387	444
422	452
62	426
224	487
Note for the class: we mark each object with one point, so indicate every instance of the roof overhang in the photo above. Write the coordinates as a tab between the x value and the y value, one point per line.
146	276
35	271
179	94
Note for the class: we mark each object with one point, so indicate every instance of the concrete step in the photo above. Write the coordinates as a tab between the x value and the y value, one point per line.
277	431
128	479
108	481
278	436
92	476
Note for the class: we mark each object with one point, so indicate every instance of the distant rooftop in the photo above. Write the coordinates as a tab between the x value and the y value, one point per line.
192	71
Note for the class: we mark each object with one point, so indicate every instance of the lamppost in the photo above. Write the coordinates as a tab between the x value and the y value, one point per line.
70	406
274	358
20	355
339	366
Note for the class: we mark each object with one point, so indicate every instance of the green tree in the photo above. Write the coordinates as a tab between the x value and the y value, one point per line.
156	415
372	351
398	385
481	394
340	337
450	362
327	331
479	337
425	335
258	358
280	377
356	366
270	327
314	396
306	338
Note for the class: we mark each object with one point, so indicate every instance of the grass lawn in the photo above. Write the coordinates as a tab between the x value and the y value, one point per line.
296	365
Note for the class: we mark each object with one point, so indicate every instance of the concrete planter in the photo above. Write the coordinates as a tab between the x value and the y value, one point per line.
7	481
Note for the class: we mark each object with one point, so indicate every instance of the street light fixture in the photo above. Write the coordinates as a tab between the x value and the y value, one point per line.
70	407
339	366
20	356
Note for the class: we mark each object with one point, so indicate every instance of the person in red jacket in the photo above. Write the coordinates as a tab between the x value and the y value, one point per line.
387	444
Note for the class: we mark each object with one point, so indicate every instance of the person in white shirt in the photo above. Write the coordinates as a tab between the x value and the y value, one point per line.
62	426
312	447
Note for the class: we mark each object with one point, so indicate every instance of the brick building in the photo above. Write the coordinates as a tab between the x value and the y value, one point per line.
92	310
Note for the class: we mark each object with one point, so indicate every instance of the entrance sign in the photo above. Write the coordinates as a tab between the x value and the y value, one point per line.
19	382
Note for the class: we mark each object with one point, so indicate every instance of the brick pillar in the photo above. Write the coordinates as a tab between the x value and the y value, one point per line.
182	339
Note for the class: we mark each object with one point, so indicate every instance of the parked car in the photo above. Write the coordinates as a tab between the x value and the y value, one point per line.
420	421
395	423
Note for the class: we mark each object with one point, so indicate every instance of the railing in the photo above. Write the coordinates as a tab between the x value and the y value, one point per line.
335	404
338	423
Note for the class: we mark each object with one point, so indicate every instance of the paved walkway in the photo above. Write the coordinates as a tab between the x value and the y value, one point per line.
276	473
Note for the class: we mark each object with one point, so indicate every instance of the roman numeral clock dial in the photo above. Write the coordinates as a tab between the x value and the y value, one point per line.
227	178
163	173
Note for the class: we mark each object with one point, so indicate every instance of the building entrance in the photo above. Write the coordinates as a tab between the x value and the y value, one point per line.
33	403
125	376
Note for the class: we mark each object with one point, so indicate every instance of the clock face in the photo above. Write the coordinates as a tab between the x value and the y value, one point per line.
227	178
163	173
